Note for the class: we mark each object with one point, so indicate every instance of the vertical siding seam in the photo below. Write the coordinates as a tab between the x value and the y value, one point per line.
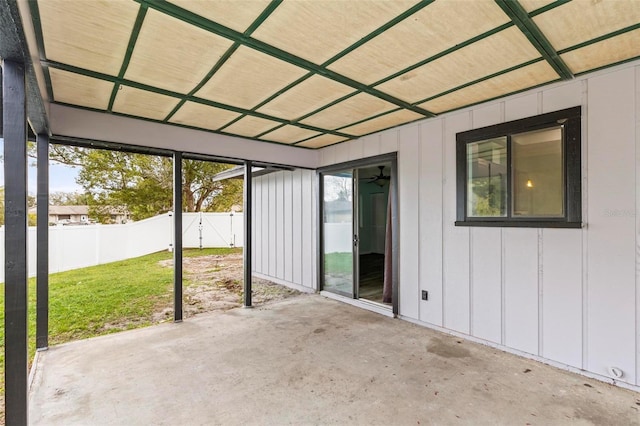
282	230
637	151
256	226
443	139
540	292
292	257
300	234
470	254
302	210
399	201
301	226
265	224
272	239
420	212
262	226
585	218
276	233
283	225
276	236
265	220
259	237
503	290
305	260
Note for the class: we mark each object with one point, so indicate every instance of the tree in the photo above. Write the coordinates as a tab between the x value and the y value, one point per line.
142	184
61	198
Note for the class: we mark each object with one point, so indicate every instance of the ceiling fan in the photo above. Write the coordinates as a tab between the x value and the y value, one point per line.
380	179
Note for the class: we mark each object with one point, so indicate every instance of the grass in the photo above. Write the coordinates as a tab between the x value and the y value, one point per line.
338	263
103	299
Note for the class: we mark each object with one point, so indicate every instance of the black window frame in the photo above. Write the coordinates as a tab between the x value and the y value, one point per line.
571	121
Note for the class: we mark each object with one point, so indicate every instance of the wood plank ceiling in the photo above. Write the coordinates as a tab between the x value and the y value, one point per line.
312	73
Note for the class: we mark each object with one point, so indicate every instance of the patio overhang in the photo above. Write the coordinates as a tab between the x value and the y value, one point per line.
271	81
303	74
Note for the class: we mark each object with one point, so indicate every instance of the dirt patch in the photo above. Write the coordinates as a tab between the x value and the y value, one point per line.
215	282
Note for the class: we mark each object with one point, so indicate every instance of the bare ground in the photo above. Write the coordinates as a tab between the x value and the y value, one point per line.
215	282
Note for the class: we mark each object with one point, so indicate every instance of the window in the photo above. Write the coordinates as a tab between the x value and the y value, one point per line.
522	173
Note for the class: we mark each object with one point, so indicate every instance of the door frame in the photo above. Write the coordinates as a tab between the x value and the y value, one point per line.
395	221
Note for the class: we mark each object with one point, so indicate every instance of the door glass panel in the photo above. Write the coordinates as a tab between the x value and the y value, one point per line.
338	232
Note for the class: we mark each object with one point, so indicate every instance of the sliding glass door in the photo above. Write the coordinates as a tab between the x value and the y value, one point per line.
339	239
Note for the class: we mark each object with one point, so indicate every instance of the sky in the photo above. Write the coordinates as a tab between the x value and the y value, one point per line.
61	178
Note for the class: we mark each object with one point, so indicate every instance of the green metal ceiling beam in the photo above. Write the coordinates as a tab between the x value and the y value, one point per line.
548	7
258	136
445	52
218	29
382	114
416	8
624	61
421	5
142	12
35	18
204	81
601	38
259	20
480	80
521	19
180	96
495	98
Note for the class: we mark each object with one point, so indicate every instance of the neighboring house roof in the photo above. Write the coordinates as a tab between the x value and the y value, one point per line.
70	210
84	210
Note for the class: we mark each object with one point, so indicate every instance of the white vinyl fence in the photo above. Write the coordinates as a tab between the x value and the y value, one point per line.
73	247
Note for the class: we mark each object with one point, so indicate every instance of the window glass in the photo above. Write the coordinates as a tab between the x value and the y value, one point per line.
538	181
524	173
487	178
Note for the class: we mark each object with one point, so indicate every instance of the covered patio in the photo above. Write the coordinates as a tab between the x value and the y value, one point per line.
308	360
420	106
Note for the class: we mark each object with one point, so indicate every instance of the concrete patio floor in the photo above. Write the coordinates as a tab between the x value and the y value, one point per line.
309	360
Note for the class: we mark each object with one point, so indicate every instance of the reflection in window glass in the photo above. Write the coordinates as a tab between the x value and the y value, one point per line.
487	178
338	232
538	181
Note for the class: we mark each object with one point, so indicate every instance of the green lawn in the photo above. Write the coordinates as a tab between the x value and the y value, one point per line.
338	263
103	299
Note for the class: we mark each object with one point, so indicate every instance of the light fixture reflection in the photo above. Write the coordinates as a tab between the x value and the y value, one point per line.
529	183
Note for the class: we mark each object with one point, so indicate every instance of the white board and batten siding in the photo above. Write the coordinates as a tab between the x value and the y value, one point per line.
284	228
569	296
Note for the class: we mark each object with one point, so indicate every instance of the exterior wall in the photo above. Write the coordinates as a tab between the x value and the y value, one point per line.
566	296
570	296
285	230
